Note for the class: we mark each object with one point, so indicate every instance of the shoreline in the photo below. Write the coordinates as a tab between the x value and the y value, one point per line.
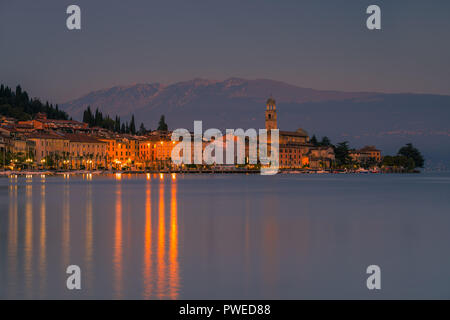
107	172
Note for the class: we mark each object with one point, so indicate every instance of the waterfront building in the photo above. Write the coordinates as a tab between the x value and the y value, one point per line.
3	145
122	151
321	157
146	152
22	147
50	147
162	151
367	153
295	149
85	152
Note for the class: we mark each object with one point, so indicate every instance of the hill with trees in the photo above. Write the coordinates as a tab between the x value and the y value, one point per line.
97	119
17	104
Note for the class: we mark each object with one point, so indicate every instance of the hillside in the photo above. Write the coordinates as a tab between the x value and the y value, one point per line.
17	104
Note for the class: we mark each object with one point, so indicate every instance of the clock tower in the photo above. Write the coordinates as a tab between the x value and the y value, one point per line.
271	114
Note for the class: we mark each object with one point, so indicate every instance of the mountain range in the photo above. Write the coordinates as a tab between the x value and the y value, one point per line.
385	120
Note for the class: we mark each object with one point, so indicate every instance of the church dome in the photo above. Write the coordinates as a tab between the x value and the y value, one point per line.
302	132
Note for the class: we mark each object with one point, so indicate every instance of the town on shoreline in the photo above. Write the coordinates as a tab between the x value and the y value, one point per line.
36	138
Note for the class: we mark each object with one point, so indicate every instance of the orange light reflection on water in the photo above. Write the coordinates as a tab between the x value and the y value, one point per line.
147	274
43	241
118	242
174	278
161	269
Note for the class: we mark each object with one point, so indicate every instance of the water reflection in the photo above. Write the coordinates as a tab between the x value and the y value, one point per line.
161	267
89	250
270	244
65	241
29	248
215	237
28	245
173	247
43	242
147	274
117	257
159	257
12	239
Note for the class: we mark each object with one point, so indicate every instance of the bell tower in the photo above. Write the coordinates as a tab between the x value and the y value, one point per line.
271	114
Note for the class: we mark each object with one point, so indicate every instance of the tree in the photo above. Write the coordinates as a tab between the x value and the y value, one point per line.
87	116
313	140
399	162
162	126
117	124
142	129
132	125
98	119
325	142
410	152
342	154
18	90
18	105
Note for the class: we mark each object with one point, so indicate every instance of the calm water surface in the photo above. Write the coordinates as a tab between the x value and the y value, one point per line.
225	236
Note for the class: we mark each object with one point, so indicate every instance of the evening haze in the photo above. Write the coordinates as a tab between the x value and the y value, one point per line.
315	44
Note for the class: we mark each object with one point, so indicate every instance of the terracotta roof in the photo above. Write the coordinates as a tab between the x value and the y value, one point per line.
24	125
74	137
45	135
368	149
297	133
60	121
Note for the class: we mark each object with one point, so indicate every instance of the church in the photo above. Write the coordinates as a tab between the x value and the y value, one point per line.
295	149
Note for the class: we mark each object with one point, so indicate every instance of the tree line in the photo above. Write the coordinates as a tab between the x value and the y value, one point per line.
17	104
408	157
97	119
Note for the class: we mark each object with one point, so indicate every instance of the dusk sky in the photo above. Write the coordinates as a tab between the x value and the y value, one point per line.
316	44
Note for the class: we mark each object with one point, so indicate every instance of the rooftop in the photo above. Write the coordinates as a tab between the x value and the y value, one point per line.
271	102
45	135
76	137
298	133
369	149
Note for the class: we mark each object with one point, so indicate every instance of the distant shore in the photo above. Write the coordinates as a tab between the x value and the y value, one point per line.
204	171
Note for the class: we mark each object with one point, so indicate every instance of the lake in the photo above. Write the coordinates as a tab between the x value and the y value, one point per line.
225	236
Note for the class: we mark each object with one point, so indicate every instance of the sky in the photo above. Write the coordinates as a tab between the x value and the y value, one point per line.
321	44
